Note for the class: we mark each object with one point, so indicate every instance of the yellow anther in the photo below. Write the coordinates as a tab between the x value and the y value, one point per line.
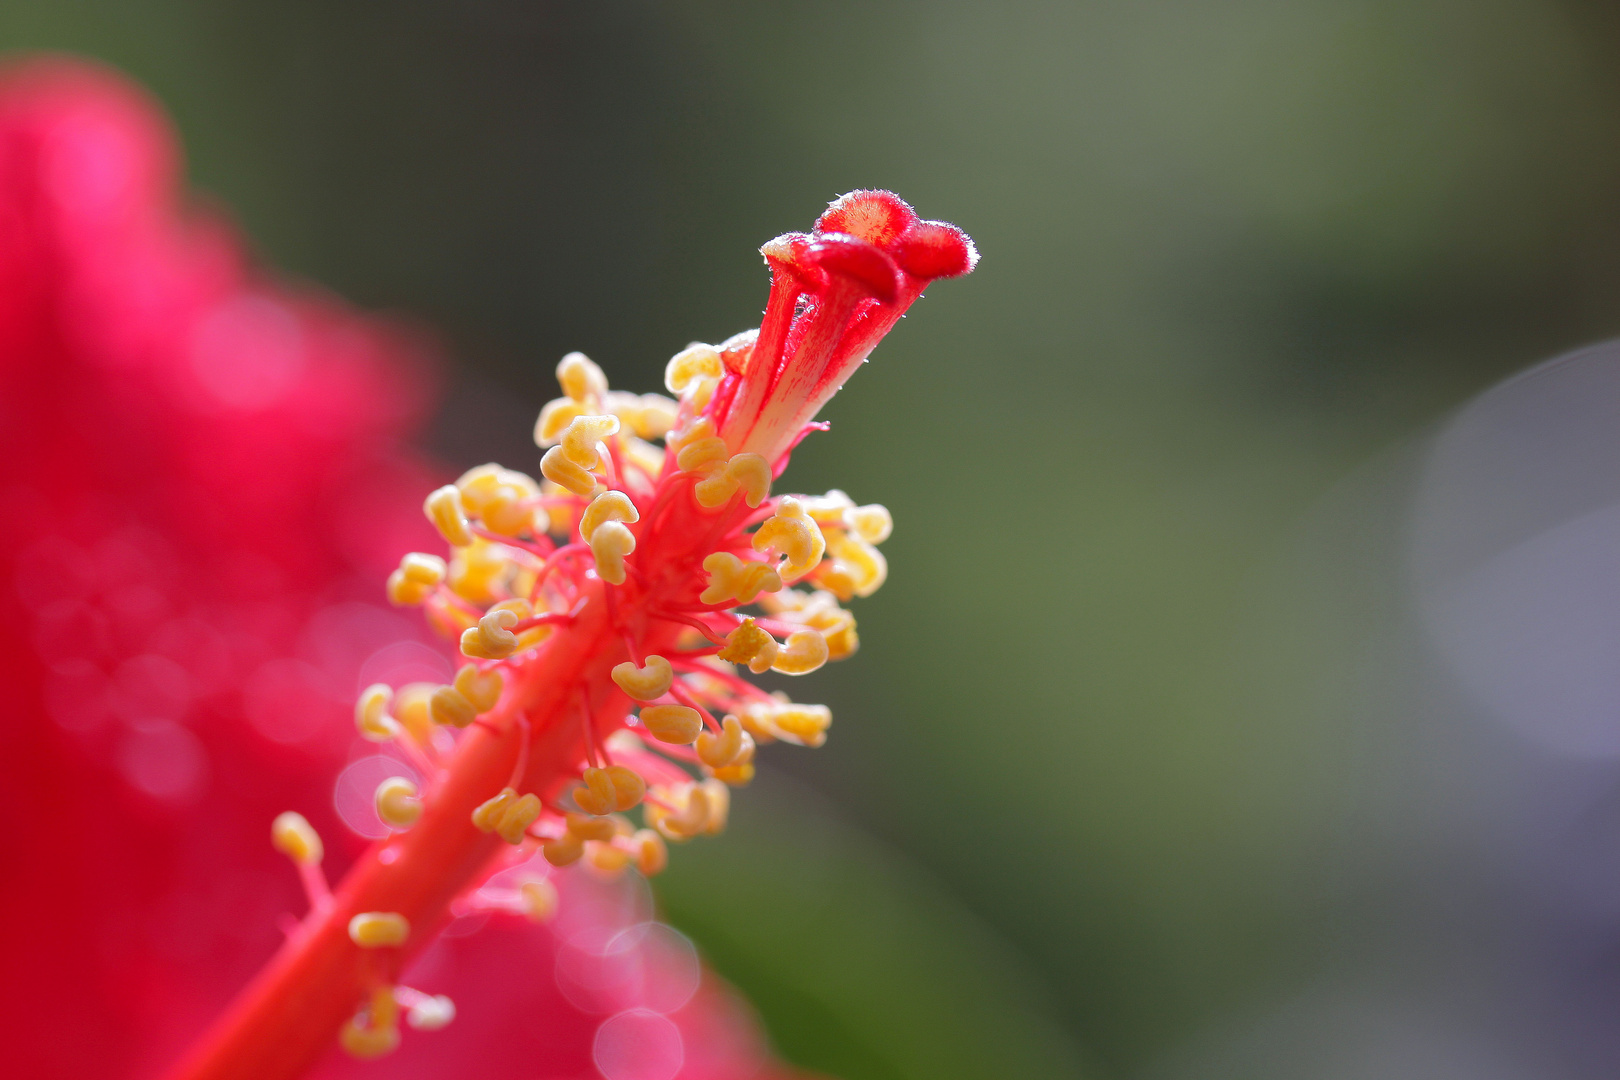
719	808
371	713
482	689
672	723
868	569
703	455
518	816
477	569
750	645
554	417
871	522
559	469
597	795
738	775
563	851
443	508
651	854
379	929
731	578
756	719
608	860
487	816
430	1012
581	436
507	814
628	787
367	1042
397	803
657	416
539	898
689	816
696	361
804	651
492	638
647	416
418	575
792	534
646	683
610	789
450	706
750	472
586	827
499	496
384	1007
608	506
610	543
805	725
293	836
842	643
837	577
580	378
828	509
718	751
413	709
696	430
375	1031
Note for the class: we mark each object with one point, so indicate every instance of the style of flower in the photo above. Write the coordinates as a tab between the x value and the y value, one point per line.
613	584
203	479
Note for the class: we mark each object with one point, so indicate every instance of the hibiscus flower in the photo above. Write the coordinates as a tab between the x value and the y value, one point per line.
204	479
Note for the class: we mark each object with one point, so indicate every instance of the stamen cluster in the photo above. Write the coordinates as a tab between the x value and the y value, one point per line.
605	612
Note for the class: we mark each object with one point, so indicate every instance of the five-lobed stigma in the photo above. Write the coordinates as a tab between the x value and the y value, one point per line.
598	612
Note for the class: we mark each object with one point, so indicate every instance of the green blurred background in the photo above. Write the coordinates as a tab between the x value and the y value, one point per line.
1072	813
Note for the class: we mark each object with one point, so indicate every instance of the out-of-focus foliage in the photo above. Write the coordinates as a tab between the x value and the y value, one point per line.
1231	251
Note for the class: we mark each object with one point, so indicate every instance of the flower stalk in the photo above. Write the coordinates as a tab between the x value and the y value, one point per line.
620	581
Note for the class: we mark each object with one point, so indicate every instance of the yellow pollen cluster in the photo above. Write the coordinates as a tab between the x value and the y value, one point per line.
732	747
292	835
504	500
371	714
804	725
804	652
379	929
854	566
443	508
676	724
607	844
680	813
730	578
508	815
492	638
819	611
649	682
610	543
690	368
375	1031
397	804
614	788
571	462
416	579
472	693
749	473
606	507
792	534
